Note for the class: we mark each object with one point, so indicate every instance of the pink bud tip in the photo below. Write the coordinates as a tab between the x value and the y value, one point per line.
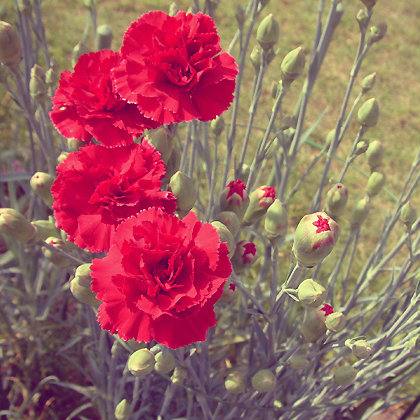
327	309
321	224
236	187
249	252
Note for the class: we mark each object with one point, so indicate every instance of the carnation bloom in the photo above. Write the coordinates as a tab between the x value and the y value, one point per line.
97	188
161	279
85	105
174	69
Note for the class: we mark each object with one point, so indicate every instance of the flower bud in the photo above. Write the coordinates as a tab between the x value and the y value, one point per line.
83	274
165	362
82	292
104	37
245	255
79	49
375	154
369	3
408	214
375	183
173	9
179	375
50	77
41	183
360	212
313	325
377	32
362	18
259	201
231	221
368	113
235	382
122	410
293	64
268	32
62	157
183	188
368	82
45	229
225	236
344	375
275	223
335	321
37	85
234	198
218	125
240	15
361	147
336	201
10	47
15	225
141	362
360	348
56	257
315	237
264	381
162	141
256	58
311	293
298	362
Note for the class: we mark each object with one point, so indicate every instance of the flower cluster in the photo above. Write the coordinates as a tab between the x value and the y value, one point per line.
161	275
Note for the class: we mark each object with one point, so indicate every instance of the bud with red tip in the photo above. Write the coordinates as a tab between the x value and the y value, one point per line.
225	236
313	325
315	237
259	201
336	201
234	197
245	255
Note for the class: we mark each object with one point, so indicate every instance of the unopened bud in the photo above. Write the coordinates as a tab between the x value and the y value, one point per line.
218	125
183	188
141	362
45	229
57	258
245	256
375	154
179	376
83	274
165	362
234	198
368	82
361	147
335	321
311	293
408	214
264	381
50	77
275	223
377	32
256	58
15	225
336	200
225	236
360	212
375	183
122	410
37	84
360	348
268	32
368	113
82	292
315	237
41	183
78	50
10	47
231	221
298	362
362	18
162	140
313	325
235	382
293	64
259	201
173	9
104	37
344	375
240	15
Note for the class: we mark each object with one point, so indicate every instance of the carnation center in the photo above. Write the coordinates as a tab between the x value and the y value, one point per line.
180	74
321	224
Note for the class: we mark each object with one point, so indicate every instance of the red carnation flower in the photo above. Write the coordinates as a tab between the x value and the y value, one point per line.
173	68
85	106
161	279
97	188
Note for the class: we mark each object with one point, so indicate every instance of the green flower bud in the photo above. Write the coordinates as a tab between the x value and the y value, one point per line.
78	50
368	82
256	58
231	221
368	114
50	77
173	9
377	32
335	321
234	198
245	255
165	362
41	183
362	18
15	225
235	382
62	157
218	125
311	293
375	154
141	362
369	3
360	212
83	293
58	259
344	375
37	84
104	37
225	236
315	237
298	362
268	32
122	410
45	229
313	325
408	214
10	47
264	381
361	349
336	200
240	15
361	147
83	274
293	64
179	375
375	183
162	141
183	188
275	223
259	201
